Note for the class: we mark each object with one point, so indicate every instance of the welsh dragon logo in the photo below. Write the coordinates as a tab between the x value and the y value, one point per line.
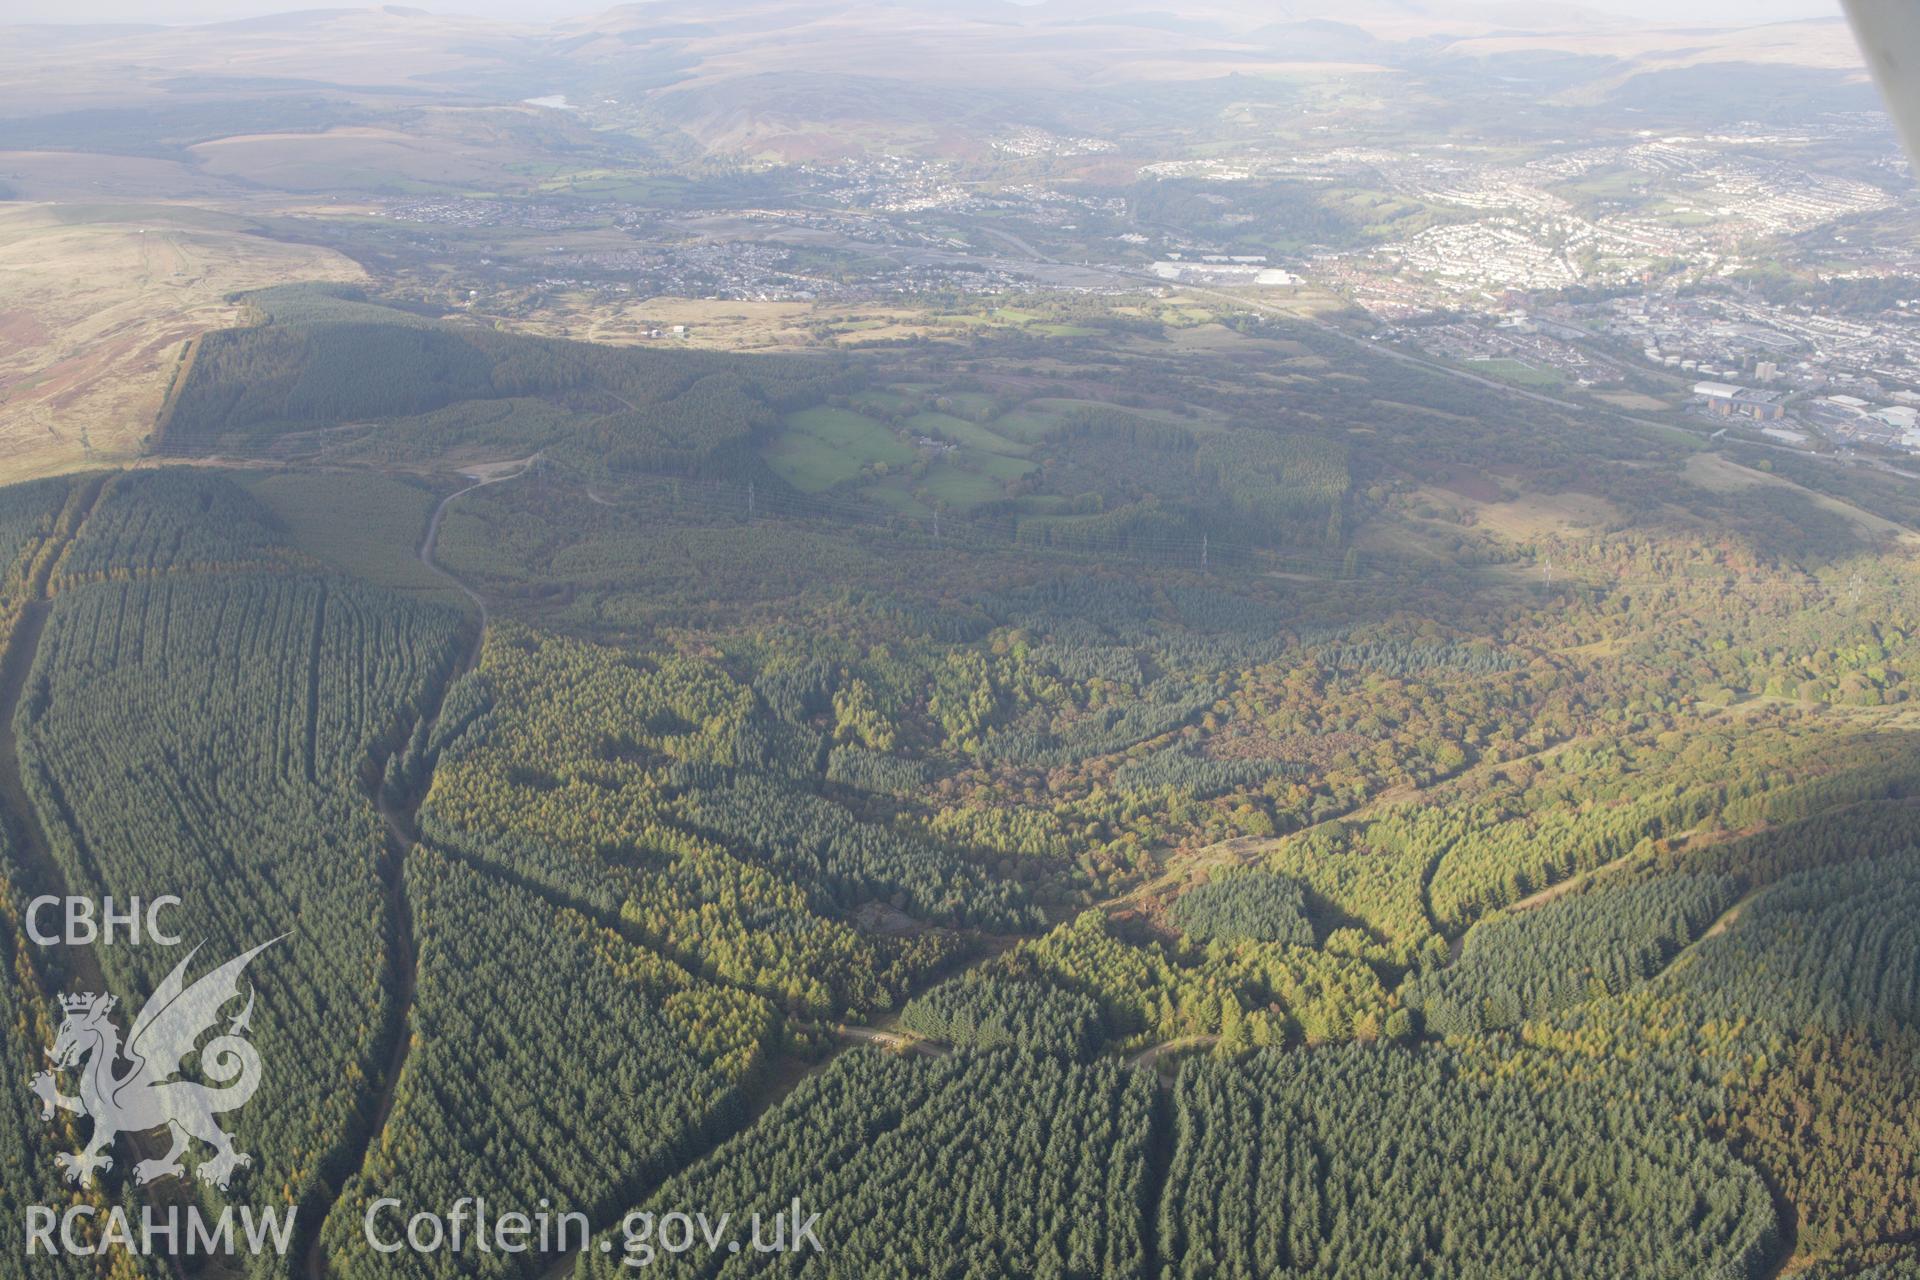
145	1096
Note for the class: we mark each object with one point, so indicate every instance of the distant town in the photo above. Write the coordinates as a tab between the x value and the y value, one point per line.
1633	270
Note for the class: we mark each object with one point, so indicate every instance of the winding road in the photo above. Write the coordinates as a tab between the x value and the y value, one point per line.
401	820
431	539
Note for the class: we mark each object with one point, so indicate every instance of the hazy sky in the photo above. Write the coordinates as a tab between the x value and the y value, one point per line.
1666	12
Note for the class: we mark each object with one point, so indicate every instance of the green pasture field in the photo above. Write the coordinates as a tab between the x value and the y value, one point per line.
957	485
972	403
1028	423
881	400
1000	466
1518	372
893	494
968	434
823	447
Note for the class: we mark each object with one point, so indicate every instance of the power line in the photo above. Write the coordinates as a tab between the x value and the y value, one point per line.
721	500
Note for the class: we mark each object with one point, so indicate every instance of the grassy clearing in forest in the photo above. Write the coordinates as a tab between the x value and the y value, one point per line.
823	447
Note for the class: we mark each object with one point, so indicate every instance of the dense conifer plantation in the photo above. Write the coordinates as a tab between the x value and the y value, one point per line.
973	1165
205	735
1361	1162
604	1058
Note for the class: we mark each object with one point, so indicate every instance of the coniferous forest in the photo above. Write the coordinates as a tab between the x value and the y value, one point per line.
1176	862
